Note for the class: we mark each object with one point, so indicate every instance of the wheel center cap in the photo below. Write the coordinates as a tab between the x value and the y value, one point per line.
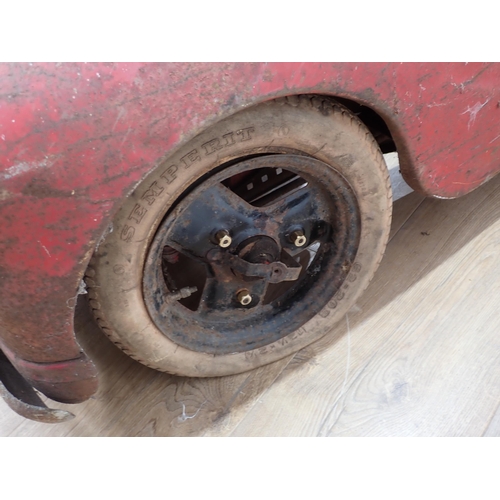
259	250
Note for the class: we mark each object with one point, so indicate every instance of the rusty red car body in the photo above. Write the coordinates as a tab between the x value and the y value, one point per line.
76	138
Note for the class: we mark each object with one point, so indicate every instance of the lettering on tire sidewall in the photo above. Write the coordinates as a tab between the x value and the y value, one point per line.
170	171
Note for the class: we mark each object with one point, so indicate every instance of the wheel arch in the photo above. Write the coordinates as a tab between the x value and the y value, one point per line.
382	122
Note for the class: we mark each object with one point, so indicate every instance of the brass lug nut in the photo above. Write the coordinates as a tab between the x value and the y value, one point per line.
244	297
222	238
298	238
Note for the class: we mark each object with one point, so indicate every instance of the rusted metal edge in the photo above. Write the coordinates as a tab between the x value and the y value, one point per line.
23	399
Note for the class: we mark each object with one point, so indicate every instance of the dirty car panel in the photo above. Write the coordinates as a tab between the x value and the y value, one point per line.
76	138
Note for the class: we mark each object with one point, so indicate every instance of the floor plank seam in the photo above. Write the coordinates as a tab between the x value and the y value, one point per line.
493	415
407	219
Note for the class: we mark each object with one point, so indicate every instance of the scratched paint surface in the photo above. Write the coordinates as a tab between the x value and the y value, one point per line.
76	138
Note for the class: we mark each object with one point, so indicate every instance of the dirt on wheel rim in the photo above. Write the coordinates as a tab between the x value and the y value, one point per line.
261	285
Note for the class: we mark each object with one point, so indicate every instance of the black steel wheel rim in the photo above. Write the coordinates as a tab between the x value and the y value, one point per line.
252	253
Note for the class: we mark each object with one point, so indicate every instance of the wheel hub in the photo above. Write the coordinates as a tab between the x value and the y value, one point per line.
251	253
259	250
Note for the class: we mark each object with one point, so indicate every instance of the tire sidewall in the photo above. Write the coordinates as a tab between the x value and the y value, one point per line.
330	134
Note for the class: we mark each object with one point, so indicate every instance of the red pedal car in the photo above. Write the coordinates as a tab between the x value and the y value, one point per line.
219	216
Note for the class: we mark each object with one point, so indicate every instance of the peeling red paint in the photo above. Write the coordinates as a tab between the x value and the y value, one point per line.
76	138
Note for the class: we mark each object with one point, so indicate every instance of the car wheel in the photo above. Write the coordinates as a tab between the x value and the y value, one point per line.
247	243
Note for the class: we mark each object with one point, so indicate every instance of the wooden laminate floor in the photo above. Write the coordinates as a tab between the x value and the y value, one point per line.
419	354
